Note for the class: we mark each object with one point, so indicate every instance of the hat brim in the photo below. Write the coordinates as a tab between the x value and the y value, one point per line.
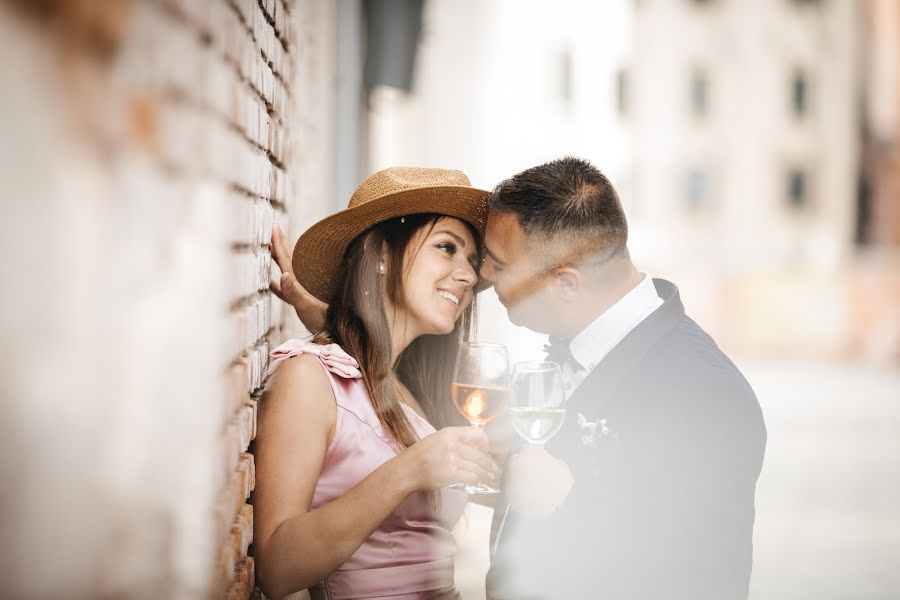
320	250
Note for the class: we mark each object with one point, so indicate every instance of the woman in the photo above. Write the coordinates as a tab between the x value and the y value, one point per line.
350	496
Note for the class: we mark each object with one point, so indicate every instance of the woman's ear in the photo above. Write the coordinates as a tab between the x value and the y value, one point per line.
568	282
383	259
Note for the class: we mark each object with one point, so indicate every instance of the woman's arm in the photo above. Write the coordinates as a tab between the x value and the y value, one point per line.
297	547
310	309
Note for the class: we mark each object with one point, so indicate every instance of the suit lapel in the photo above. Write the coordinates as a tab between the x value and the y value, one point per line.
596	390
599	386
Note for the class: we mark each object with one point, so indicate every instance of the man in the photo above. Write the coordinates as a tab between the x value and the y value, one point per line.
648	489
663	436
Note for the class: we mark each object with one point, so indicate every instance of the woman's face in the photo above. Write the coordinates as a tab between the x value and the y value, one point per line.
440	276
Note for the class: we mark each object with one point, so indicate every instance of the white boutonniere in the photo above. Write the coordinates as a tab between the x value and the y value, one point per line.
591	431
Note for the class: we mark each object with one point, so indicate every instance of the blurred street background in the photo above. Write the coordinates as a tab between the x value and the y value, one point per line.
148	146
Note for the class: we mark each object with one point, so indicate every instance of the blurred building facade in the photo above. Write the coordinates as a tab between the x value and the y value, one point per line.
732	130
750	170
880	204
745	121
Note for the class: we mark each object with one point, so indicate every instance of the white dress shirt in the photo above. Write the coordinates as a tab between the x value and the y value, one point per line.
595	341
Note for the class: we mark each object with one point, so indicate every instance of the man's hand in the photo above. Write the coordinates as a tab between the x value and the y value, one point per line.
310	309
536	482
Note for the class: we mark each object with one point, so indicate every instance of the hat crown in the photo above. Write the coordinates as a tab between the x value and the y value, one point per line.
401	179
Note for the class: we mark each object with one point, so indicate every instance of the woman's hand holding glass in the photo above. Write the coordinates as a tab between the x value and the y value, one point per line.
451	455
480	390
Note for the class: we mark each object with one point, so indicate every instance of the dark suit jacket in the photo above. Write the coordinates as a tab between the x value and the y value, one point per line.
662	506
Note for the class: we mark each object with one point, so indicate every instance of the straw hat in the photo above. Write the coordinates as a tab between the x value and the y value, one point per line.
391	193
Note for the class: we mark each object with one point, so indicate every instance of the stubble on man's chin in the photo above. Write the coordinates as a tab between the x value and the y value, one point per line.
512	314
525	321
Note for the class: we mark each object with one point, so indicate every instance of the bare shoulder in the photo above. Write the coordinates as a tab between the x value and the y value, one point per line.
300	393
304	370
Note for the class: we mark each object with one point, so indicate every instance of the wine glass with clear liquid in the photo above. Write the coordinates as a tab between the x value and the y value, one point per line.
537	404
480	389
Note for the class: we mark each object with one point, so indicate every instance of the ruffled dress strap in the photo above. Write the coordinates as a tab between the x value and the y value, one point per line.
332	356
350	393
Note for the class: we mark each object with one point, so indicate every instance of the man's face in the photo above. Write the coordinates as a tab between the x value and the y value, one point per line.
523	285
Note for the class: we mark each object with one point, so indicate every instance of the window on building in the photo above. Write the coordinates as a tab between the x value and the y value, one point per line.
566	77
799	93
699	92
797	192
697	189
621	85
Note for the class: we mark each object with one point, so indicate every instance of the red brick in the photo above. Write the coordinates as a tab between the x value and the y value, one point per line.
246	419
249	466
244	580
242	533
225	568
253	403
231	444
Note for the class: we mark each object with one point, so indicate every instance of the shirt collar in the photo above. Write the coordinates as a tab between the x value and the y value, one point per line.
595	341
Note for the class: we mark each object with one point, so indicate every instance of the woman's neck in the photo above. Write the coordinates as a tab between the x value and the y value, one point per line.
401	334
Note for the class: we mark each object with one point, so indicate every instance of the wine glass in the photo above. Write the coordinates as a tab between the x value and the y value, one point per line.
480	389
537	402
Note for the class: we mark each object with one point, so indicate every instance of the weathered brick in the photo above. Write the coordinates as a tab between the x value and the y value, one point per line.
253	404
248	466
225	567
242	533
243	580
231	447
245	421
238	384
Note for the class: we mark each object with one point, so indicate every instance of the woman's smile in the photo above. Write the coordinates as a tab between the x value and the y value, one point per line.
452	297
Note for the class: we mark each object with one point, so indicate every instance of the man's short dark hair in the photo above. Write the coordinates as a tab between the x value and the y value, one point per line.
567	204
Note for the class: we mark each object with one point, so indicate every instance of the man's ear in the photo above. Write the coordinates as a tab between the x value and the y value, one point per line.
568	282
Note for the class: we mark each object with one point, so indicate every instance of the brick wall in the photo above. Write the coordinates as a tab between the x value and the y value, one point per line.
146	153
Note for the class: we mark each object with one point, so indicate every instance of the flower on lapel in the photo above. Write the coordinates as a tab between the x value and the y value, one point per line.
591	431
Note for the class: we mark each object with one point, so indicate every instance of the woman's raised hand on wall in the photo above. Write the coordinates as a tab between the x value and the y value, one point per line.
310	309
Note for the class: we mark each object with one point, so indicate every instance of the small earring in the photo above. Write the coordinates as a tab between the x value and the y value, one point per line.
381	268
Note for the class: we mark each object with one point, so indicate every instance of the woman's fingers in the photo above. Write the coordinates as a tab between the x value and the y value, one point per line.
280	250
291	291
482	459
280	285
474	436
473	472
275	286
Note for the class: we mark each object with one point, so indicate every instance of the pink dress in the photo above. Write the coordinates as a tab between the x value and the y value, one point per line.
410	555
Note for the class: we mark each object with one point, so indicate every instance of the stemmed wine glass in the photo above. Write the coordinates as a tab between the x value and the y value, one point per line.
537	408
537	403
480	389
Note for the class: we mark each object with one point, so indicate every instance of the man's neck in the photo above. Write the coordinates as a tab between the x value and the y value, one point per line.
604	297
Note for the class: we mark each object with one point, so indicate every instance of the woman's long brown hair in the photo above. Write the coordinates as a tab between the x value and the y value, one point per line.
356	320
